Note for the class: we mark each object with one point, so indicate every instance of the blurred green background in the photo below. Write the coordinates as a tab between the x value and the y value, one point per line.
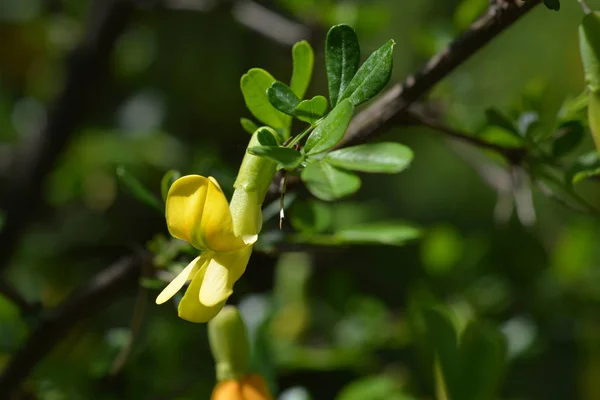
326	322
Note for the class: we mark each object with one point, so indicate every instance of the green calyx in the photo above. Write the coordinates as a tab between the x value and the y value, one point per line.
251	186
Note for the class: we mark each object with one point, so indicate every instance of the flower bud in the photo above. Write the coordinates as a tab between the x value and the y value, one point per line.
251	387
229	344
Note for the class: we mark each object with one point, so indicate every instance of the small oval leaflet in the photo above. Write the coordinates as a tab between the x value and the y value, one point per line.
385	157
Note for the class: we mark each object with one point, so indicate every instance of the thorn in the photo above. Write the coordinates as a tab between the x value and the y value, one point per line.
281	199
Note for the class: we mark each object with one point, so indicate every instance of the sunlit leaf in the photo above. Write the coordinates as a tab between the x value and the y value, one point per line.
385	157
342	57
331	130
282	98
372	76
311	110
138	190
254	85
303	58
329	183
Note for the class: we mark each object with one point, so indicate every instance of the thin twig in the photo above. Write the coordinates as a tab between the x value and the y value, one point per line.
513	155
56	324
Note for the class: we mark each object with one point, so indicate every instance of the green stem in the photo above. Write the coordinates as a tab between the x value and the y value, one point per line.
301	135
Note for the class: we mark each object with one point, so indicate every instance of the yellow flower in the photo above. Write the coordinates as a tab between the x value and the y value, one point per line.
251	387
198	213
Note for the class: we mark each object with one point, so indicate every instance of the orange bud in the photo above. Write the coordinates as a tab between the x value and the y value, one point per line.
251	387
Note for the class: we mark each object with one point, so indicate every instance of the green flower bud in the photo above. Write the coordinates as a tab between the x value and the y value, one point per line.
229	344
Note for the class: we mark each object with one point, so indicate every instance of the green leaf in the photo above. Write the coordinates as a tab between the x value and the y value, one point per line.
497	118
500	136
266	138
342	57
582	175
594	117
571	134
2	219
254	85
385	157
329	183
311	110
167	180
310	216
303	58
589	46
282	98
138	190
552	4
372	76
248	125
288	158
388	233
331	130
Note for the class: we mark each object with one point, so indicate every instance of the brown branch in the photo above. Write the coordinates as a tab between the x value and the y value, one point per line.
87	71
514	155
56	324
380	115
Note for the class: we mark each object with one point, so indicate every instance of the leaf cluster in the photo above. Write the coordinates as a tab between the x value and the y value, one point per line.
328	174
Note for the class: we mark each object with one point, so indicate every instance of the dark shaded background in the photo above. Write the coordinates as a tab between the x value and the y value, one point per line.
172	101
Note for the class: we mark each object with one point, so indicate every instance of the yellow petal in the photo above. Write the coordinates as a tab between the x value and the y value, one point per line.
217	223
180	280
197	212
190	308
223	270
184	206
